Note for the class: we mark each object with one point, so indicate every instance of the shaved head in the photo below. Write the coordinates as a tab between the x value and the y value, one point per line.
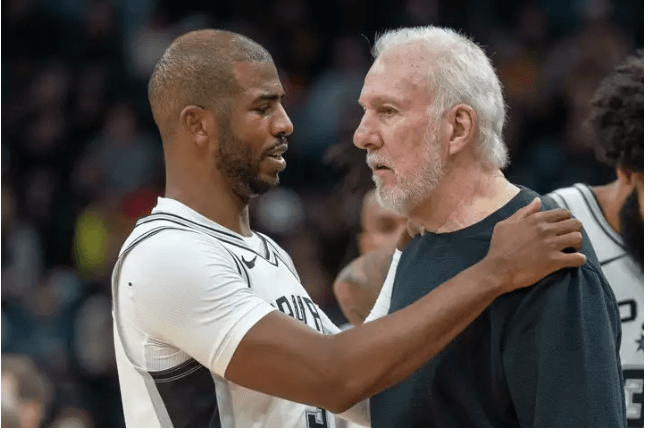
196	69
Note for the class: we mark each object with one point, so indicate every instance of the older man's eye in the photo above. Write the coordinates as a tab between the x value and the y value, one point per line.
387	111
263	109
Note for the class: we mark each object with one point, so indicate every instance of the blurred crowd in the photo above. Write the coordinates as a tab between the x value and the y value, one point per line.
82	160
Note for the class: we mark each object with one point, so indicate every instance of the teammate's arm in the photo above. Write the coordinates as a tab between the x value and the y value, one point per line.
282	357
358	284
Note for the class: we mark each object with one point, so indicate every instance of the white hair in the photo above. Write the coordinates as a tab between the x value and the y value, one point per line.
460	72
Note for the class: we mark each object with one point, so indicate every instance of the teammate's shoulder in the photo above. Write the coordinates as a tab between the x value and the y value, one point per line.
567	195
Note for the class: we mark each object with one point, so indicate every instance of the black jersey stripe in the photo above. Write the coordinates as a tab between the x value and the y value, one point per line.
188	393
240	266
229	234
603	224
239	244
265	244
189	224
608	261
564	201
278	254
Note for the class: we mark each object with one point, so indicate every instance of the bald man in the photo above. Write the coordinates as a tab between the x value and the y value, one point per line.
212	325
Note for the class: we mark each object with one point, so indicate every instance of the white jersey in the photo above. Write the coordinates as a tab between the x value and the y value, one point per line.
625	278
185	292
383	302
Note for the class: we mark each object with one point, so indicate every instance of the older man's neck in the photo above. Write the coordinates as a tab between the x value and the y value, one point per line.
463	198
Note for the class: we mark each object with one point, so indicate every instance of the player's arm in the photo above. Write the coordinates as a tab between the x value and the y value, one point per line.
358	284
283	357
560	353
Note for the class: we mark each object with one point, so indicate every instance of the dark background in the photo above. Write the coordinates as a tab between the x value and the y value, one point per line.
82	160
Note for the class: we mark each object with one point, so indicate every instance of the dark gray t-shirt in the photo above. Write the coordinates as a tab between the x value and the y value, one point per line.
542	356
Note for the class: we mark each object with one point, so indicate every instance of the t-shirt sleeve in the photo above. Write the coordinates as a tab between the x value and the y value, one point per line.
191	295
560	353
383	302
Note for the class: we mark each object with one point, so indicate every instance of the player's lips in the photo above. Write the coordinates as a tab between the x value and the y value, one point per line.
275	158
277	151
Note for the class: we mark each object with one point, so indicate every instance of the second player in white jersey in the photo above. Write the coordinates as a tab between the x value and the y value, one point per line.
625	278
186	290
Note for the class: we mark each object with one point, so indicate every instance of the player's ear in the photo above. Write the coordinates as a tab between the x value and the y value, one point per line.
624	176
463	122
198	123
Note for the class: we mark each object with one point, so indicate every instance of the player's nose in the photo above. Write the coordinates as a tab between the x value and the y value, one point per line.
282	124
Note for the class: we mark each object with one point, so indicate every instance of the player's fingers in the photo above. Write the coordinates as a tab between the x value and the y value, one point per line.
527	210
553	215
566	226
570	240
574	259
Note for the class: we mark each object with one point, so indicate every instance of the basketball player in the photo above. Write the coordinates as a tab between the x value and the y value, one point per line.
357	286
543	356
612	214
212	325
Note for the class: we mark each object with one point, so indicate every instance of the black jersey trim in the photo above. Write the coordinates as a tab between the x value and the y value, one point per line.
278	255
188	393
608	261
595	215
195	223
239	244
240	266
564	201
265	244
176	372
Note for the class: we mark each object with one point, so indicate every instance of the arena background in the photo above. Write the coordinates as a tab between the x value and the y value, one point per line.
82	160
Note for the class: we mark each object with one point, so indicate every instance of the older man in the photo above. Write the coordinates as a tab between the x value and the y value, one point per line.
546	355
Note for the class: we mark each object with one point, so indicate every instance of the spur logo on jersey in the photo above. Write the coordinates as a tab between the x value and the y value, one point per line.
301	308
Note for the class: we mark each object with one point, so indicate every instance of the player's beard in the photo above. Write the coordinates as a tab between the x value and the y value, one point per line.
241	166
409	192
631	228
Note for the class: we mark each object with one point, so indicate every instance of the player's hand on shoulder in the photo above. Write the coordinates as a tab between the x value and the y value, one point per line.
532	244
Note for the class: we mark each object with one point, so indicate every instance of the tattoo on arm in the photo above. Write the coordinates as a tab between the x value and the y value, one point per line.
369	270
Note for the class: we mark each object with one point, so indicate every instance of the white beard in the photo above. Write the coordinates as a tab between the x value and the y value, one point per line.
409	192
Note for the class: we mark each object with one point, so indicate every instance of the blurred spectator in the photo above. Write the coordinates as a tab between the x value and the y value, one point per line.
22	257
25	391
336	88
123	156
73	417
147	44
94	346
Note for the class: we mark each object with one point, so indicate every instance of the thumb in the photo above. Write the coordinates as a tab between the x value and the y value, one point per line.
527	210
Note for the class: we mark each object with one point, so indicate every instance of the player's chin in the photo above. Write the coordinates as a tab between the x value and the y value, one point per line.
263	183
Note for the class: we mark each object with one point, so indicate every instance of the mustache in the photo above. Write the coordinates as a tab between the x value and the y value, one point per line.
280	144
373	160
